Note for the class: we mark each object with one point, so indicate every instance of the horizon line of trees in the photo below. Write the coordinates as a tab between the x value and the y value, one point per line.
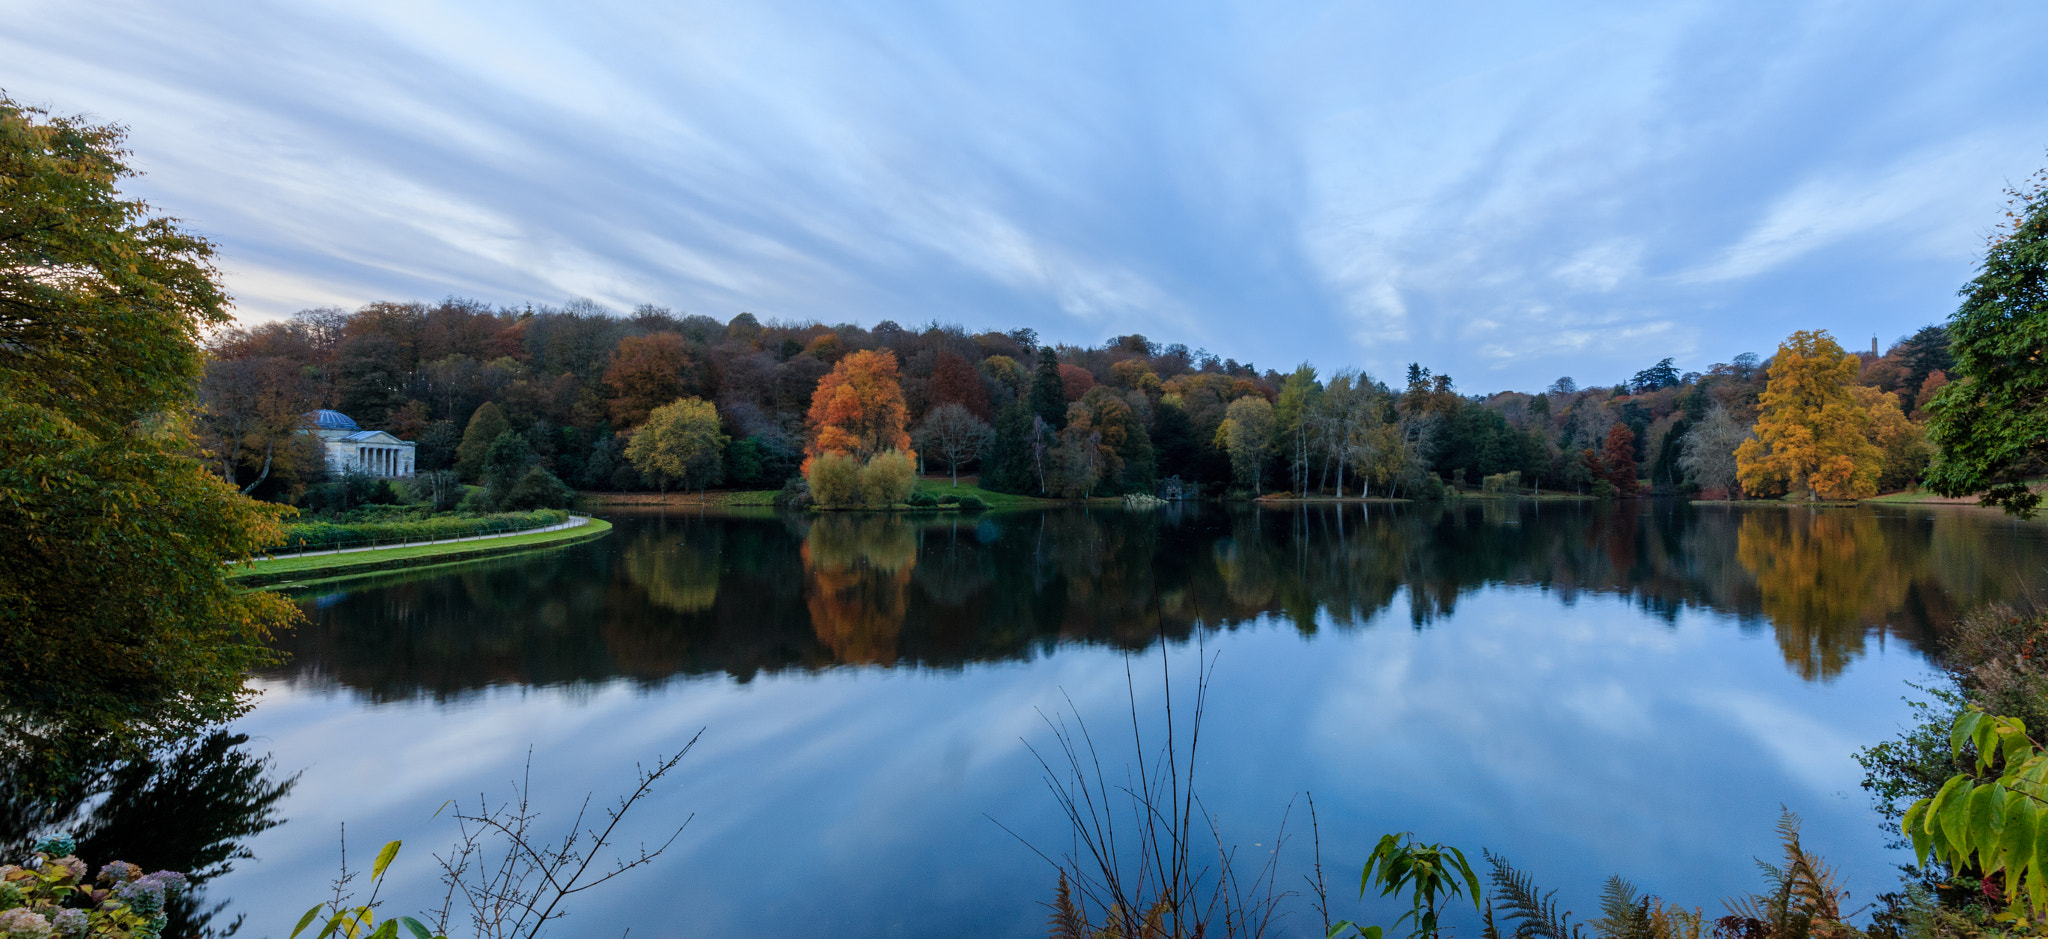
540	395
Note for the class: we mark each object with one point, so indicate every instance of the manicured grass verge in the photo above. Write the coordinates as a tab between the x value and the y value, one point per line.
995	500
736	497
288	571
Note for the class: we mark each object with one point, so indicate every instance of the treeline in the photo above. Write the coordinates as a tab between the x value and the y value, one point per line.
561	392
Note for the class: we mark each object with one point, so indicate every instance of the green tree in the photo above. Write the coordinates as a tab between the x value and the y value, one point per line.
484	428
117	621
1245	433
1049	390
1006	466
1989	424
680	442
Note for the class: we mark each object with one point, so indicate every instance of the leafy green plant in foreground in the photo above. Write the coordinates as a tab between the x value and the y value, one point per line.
360	921
1431	873
1993	820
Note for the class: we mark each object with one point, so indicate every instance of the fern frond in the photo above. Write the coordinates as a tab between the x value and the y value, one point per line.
1066	921
1534	914
1624	912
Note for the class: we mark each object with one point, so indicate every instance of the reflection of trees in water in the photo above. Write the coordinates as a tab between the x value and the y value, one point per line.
186	808
1822	577
693	594
681	575
856	570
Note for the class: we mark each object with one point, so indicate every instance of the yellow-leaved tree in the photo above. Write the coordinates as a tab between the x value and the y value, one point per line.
1812	434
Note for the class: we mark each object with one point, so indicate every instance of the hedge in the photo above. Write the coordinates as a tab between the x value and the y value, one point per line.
327	536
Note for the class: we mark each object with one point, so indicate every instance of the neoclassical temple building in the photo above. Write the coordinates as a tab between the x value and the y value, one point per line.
364	451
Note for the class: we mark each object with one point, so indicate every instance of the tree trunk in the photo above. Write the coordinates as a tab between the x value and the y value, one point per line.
265	474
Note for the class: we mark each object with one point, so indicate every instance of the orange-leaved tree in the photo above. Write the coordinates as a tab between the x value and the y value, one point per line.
1812	435
858	409
646	373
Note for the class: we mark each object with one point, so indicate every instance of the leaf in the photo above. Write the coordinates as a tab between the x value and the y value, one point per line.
387	931
418	929
1986	811
1915	827
1965	728
305	921
384	860
2016	839
1949	835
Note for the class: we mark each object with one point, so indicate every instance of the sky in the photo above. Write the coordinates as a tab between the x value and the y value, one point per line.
1503	192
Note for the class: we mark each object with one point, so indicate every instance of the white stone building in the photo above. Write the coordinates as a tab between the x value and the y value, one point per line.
350	448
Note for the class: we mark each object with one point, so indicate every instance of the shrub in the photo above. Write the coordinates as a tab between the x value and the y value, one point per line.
949	499
795	494
972	504
1604	490
538	489
921	499
43	896
1501	482
834	479
889	478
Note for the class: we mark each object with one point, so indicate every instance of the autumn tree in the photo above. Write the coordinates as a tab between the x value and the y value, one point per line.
118	625
858	408
1618	459
1811	435
250	414
1902	443
953	436
646	373
680	442
1990	421
954	381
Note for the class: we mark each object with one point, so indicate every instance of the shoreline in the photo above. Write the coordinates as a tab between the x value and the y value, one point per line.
294	571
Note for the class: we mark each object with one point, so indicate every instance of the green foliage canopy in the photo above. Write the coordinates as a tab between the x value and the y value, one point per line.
1990	423
117	622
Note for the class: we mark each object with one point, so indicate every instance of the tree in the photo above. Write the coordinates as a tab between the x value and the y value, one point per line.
118	625
251	411
646	372
1811	436
1656	377
1618	459
956	382
1049	390
858	408
952	435
485	426
680	442
888	478
1903	443
1246	431
834	478
1006	466
1989	424
1707	454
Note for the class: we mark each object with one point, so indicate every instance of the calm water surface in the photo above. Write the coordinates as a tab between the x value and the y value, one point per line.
1589	690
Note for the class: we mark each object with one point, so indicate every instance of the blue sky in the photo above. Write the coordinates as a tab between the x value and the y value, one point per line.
1504	192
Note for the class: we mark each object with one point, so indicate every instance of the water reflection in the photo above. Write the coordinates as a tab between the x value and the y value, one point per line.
693	594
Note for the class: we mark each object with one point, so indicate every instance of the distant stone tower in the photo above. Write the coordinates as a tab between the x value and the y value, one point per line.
1873	347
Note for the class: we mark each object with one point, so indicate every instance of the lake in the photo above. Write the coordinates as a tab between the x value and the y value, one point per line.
1630	688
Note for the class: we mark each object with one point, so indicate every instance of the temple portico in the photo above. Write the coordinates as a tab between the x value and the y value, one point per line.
352	449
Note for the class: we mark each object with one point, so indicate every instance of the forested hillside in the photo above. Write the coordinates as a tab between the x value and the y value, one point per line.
566	389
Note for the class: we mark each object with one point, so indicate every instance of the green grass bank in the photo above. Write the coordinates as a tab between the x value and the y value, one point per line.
280	572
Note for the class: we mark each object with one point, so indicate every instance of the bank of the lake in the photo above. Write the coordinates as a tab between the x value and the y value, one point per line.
307	569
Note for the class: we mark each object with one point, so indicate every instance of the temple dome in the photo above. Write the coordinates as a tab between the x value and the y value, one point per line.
331	420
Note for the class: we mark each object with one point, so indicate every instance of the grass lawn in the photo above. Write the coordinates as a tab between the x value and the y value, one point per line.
282	570
740	497
943	486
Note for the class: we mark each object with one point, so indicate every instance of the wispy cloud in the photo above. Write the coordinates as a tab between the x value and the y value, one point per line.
1342	184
